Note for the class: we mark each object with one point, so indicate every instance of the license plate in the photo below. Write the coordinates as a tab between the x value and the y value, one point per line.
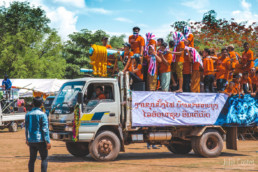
55	136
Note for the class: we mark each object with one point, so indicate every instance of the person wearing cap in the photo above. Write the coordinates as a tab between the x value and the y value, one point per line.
105	42
37	134
126	58
137	43
7	85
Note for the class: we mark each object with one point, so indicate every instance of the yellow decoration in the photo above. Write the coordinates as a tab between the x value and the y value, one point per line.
99	60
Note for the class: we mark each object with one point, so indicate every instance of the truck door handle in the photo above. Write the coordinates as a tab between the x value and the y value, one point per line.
112	114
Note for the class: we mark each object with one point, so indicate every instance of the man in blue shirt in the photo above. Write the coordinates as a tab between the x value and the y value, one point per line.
37	134
7	85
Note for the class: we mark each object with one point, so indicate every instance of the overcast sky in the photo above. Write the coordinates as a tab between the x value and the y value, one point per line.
119	16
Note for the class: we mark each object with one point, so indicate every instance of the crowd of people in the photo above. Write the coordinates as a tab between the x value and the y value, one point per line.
177	66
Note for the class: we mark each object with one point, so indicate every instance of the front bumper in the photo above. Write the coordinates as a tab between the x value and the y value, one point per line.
63	136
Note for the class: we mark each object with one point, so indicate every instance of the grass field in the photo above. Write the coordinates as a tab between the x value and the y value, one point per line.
14	156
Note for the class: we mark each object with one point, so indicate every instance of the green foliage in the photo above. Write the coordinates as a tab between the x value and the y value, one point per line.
76	51
29	48
117	41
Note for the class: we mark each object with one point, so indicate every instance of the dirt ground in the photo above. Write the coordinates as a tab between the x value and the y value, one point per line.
14	156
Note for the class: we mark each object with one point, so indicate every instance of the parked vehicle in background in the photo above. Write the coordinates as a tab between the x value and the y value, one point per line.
10	117
48	103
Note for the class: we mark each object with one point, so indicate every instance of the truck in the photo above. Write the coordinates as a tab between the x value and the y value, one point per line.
9	117
102	127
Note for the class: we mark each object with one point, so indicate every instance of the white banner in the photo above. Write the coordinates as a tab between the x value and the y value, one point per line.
168	109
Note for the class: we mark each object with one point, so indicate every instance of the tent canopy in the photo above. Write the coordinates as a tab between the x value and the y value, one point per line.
48	86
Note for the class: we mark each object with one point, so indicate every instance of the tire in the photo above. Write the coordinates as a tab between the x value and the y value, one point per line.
78	149
180	148
105	146
13	127
210	144
194	143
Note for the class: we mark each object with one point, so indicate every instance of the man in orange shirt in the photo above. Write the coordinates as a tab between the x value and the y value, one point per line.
164	67
246	83
247	60
105	42
136	72
99	93
126	58
179	59
137	43
234	56
237	85
208	71
189	36
223	68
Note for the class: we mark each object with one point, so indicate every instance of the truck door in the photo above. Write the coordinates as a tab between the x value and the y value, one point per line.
101	105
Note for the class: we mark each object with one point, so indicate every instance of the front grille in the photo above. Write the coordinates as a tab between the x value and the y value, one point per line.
58	127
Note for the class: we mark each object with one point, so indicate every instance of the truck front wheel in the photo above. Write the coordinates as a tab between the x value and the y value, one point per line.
13	127
210	144
79	149
180	148
105	147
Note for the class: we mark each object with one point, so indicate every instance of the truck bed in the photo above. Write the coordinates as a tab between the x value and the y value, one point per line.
13	117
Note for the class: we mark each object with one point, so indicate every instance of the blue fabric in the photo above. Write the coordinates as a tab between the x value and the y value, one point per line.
7	83
36	126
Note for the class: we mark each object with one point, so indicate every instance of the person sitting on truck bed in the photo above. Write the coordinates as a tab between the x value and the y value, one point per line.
126	58
136	70
99	93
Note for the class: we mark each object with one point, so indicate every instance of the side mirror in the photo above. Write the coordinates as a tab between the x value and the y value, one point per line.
80	98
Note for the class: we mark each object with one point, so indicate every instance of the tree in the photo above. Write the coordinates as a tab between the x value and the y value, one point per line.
76	50
29	48
117	41
217	33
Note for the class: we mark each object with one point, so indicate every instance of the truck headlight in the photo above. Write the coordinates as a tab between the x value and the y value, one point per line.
68	128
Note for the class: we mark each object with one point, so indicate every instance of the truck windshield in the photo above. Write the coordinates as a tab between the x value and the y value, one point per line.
67	97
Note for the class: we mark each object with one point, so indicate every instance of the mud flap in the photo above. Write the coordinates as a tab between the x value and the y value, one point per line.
231	138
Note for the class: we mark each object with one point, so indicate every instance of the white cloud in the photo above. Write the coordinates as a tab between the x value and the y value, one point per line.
75	3
63	20
196	4
245	5
122	19
245	14
97	10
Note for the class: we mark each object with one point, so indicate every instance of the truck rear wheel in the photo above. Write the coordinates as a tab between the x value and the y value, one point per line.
210	144
13	127
194	142
105	147
79	149
180	148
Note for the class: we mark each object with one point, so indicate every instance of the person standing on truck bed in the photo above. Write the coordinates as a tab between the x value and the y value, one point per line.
37	134
105	42
137	43
7	85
